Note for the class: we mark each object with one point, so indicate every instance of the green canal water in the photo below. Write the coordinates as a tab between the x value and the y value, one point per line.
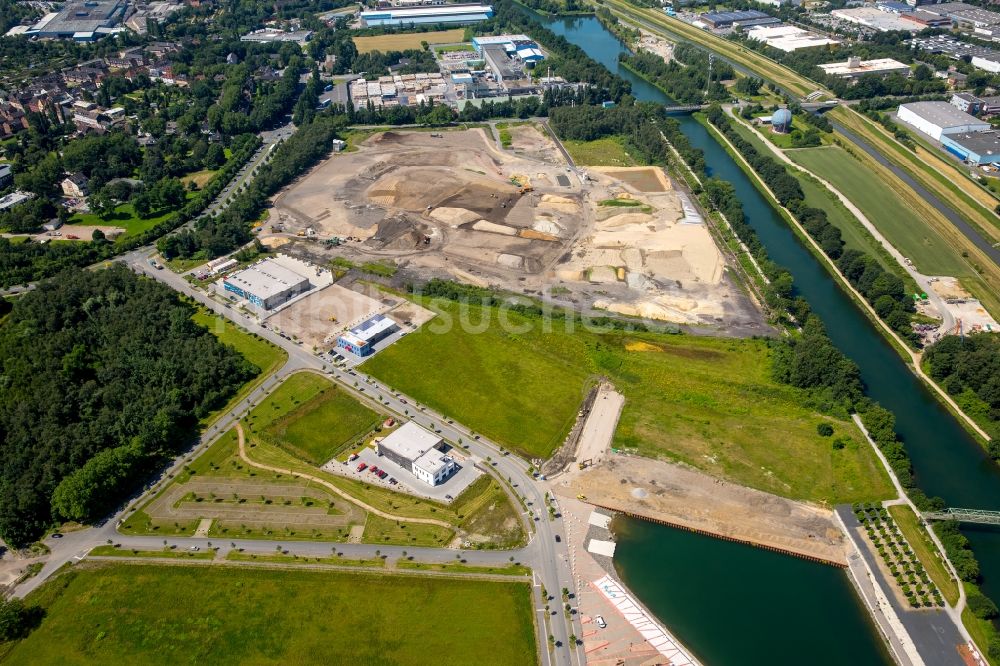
732	604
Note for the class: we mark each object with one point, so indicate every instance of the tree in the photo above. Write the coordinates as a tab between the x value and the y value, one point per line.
18	619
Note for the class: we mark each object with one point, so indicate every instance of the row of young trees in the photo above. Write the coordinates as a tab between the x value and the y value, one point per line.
885	291
105	375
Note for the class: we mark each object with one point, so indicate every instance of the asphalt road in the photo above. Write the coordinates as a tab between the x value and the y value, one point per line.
548	558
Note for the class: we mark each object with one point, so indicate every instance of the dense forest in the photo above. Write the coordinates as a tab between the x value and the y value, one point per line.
968	367
104	375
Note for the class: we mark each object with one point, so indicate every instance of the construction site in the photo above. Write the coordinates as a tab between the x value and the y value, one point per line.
455	204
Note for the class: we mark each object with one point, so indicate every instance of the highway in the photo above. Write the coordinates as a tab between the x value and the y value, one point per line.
548	558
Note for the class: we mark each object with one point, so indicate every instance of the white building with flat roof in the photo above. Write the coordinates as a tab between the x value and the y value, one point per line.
937	119
788	38
418	451
266	284
854	67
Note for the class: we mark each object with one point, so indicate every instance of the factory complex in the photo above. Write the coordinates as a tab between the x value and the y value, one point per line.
81	20
438	14
269	283
788	38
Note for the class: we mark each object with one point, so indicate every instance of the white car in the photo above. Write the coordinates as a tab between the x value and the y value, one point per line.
600	622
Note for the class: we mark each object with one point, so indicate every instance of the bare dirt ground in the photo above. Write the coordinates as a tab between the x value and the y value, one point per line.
963	305
684	497
657	45
455	205
531	142
82	232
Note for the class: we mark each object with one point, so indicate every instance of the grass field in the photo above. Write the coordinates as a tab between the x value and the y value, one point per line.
925	551
816	195
124	217
483	510
601	152
707	402
146	614
325	419
887	211
199	178
405	41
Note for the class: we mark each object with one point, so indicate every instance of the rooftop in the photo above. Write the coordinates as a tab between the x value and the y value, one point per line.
265	279
403	12
941	114
864	67
410	441
82	16
733	17
980	143
368	329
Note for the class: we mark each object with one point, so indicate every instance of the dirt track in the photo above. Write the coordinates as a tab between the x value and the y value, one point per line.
687	498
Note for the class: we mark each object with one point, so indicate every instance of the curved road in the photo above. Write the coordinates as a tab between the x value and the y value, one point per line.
548	558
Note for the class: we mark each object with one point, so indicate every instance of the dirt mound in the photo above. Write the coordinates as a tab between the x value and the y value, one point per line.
453	216
625	219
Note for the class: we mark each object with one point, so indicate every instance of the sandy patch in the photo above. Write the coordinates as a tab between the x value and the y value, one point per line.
453	216
490	227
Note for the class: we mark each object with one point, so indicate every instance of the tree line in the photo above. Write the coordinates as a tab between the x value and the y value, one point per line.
885	291
105	377
686	77
968	367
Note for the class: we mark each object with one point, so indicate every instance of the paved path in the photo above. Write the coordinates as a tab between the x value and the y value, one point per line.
548	558
329	486
914	357
924	281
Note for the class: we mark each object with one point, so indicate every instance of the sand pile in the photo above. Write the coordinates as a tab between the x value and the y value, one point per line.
453	216
556	202
493	228
625	219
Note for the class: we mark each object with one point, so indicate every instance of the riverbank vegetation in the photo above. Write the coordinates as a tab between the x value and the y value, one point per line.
916	535
275	612
685	77
968	367
884	290
106	376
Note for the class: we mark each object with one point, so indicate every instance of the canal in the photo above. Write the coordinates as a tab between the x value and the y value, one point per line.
736	605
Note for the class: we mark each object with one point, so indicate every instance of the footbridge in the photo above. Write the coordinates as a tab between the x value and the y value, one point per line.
980	516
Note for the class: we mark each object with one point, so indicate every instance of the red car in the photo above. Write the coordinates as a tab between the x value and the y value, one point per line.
382	474
362	467
374	470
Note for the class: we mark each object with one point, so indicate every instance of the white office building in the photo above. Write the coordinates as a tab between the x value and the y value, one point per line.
419	452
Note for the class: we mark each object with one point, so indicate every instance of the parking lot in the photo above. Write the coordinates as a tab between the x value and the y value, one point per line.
407	483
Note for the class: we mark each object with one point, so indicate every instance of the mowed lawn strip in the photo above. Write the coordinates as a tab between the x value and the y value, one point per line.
147	614
321	425
707	402
926	551
405	41
892	216
855	236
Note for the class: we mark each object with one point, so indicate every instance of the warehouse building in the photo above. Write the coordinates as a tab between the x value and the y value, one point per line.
418	451
974	147
855	67
362	338
82	20
719	20
415	15
937	119
267	284
788	38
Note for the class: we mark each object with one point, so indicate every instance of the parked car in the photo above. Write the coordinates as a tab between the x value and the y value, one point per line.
392	481
194	548
558	538
354	456
600	622
362	467
374	469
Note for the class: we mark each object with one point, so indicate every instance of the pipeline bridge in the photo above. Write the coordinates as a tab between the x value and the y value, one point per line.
980	516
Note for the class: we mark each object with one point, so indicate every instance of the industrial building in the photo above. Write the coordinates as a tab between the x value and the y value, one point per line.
719	20
434	15
417	451
362	338
788	38
270	35
854	67
81	20
501	64
974	147
937	119
876	19
266	284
